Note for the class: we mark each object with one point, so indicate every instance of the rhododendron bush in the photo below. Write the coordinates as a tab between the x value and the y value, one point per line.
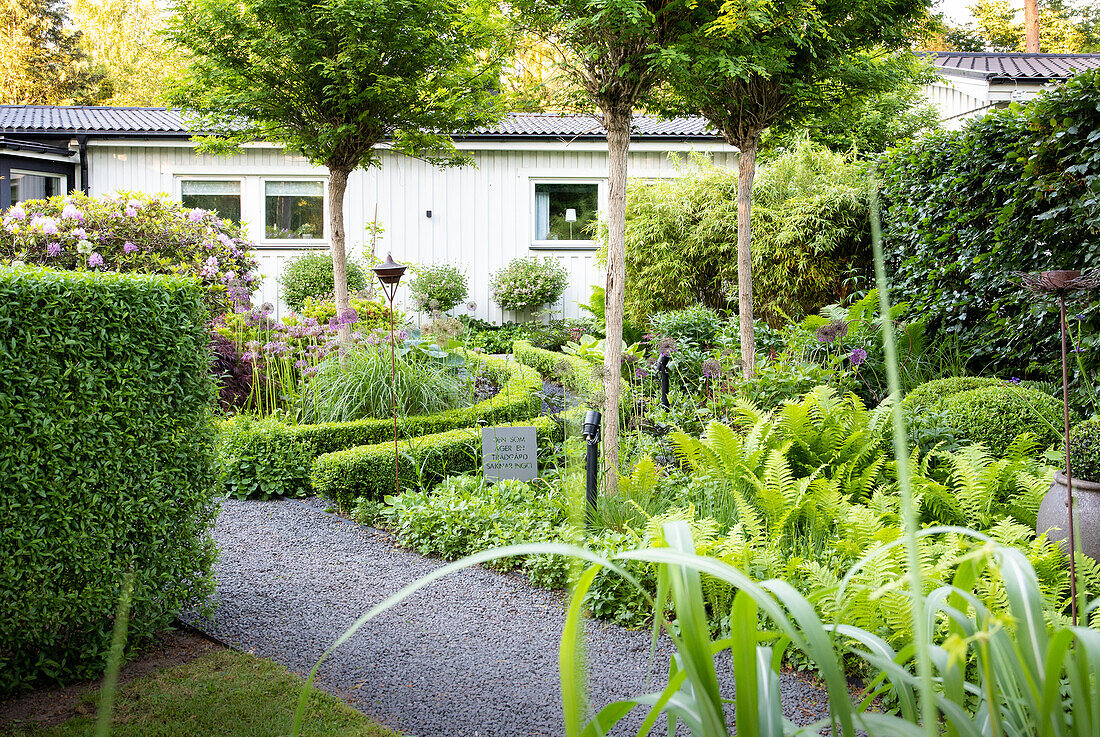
133	233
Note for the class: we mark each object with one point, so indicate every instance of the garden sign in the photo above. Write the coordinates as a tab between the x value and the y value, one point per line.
509	453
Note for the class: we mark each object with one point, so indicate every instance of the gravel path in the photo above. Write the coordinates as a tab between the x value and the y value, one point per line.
474	654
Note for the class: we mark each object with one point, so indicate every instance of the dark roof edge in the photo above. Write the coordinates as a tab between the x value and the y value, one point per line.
487	137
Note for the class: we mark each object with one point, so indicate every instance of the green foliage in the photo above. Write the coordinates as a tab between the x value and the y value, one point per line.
44	63
597	308
360	73
527	283
105	419
809	237
551	335
1015	190
437	287
575	373
370	315
364	382
257	459
929	397
368	470
133	232
698	324
1084	450
310	276
996	415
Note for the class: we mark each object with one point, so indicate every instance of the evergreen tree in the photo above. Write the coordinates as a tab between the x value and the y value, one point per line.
42	62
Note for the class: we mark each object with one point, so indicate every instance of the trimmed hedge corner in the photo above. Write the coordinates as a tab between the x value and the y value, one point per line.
368	470
106	456
574	373
245	474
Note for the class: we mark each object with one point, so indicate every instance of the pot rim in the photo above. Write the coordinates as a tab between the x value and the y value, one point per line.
1078	484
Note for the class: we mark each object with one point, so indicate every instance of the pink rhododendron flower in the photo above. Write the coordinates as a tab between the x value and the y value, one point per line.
79	233
130	211
196	215
70	212
53	249
95	260
47	225
129	247
17	213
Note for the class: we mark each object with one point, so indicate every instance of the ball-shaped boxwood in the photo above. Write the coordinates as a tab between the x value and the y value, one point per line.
997	415
310	275
1084	450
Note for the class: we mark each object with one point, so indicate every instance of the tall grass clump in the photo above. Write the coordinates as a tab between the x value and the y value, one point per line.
358	385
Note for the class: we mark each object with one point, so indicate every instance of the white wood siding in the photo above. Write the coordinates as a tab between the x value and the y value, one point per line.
481	215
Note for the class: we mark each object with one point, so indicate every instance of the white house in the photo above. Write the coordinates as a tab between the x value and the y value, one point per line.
973	83
528	171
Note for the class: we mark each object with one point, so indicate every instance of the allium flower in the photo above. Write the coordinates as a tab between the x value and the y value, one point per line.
129	247
196	215
53	249
267	308
249	357
349	316
70	212
858	356
641	372
300	364
84	247
95	260
666	346
471	307
17	213
712	369
830	331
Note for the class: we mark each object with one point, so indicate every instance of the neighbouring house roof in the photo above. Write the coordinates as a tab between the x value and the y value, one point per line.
139	122
1003	67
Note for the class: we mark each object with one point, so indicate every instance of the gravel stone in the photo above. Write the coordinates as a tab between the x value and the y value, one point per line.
474	654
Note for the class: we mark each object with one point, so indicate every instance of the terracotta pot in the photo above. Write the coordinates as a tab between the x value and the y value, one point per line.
1086	514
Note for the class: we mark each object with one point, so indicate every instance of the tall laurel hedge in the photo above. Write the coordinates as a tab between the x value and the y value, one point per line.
106	463
1016	190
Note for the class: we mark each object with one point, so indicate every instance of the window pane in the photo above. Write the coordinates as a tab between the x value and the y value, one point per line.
295	210
222	197
562	211
35	186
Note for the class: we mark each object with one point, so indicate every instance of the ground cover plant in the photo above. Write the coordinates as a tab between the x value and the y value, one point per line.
106	402
220	693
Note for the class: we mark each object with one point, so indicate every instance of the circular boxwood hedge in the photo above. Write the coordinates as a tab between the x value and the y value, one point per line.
310	275
928	398
1084	450
996	415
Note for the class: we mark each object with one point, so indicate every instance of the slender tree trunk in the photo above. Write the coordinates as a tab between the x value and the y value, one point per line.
337	185
1031	26
618	145
746	172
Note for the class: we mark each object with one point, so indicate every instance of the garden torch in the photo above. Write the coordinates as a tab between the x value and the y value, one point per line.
389	274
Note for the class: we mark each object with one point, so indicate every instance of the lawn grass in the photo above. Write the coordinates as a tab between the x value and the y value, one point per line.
221	693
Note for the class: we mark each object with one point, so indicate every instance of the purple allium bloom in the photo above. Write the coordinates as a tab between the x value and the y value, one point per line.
641	372
129	247
300	364
249	357
196	215
53	249
858	356
70	212
401	335
666	346
267	308
333	324
349	316
95	260
830	331
711	368
311	322
471	307
252	345
1015	379
17	212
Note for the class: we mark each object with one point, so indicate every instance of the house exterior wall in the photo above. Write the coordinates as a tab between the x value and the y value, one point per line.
481	215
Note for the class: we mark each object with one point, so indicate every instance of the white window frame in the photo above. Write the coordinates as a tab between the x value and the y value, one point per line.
64	179
179	178
563	178
291	243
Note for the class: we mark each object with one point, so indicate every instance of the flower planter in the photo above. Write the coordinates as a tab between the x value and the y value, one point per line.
1086	514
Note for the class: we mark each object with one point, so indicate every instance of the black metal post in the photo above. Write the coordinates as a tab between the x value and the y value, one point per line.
662	372
591	432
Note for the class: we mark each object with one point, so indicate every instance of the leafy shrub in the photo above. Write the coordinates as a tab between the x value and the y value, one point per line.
357	385
810	236
697	323
106	456
131	232
930	396
527	283
368	470
257	461
1014	190
997	415
1084	450
437	287
370	314
310	275
232	375
550	336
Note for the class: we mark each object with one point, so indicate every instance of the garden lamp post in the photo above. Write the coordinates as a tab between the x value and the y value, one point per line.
591	432
389	273
1059	284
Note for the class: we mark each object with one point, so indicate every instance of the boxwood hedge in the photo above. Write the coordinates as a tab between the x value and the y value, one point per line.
245	472
106	457
574	373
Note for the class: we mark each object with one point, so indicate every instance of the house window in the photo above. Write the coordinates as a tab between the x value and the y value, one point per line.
29	185
220	196
294	210
564	212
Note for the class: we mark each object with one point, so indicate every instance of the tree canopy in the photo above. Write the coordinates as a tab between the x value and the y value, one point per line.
42	63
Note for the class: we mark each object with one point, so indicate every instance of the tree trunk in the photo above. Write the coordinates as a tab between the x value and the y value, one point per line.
1031	26
337	185
618	145
746	172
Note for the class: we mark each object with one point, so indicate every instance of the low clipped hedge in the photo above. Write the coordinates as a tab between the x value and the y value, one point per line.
263	459
106	457
997	415
368	471
574	373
